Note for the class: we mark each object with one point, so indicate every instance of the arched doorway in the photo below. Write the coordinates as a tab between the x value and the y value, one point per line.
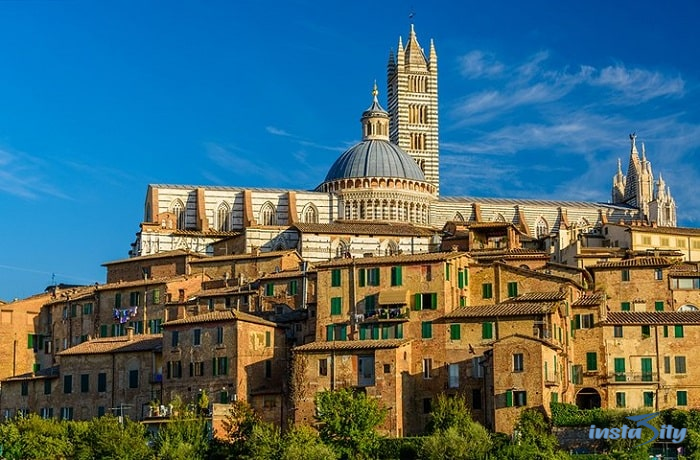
588	398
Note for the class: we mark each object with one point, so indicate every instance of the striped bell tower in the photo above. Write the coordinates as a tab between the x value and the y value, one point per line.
412	99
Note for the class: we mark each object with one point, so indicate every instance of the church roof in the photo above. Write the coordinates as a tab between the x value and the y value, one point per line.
375	158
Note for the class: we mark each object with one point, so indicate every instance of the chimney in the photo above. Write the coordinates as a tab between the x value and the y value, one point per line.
130	333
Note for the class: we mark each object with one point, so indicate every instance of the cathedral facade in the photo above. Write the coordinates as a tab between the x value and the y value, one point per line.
381	196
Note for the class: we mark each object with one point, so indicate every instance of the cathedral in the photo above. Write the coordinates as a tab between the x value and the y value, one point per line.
382	195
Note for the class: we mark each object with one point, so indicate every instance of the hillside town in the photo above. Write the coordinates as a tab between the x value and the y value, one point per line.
375	282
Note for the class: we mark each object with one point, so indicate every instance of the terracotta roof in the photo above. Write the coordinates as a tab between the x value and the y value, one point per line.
653	317
532	202
369	228
120	344
247	255
403	258
590	300
503	309
211	233
539	296
284	274
508	254
685	231
636	262
159	255
352	345
47	373
220	315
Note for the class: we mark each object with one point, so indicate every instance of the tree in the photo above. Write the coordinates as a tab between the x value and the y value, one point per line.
303	443
108	438
264	443
532	440
348	422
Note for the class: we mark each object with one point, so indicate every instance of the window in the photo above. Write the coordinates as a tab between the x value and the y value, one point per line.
47	387
387	368
625	306
667	364
66	413
293	287
512	289
620	399
134	378
476	399
101	382
647	374
658	274
268	368
87	308
25	388
477	368
681	398
268	216
219	335
427	330
425	301
268	338
117	300
46	412
365	371
220	366
427	367
310	215
591	361
520	398
455	331
175	341
586	321
487	290
269	289
370	305
617	331
174	370
68	384
323	366
659	305
453	376
646	331
197	369
648	398
361	277
335	277
625	274
448	270
486	330
619	364
197	337
336	305
84	383
223	218
518	362
427	405
134	299
156	296
678	331
396	277
373	276
680	364
541	228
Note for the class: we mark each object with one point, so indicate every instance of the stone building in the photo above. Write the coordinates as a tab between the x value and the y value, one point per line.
117	375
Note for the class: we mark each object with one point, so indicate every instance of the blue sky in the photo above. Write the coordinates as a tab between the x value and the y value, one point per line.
99	99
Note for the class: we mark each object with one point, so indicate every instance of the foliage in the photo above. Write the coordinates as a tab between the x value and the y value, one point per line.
36	438
303	443
107	438
182	438
238	428
450	444
532	439
399	448
570	415
348	422
449	412
264	443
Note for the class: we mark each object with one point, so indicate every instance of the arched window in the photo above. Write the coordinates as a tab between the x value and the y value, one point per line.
268	215
342	250
458	217
688	307
223	218
499	218
391	249
310	214
178	209
541	228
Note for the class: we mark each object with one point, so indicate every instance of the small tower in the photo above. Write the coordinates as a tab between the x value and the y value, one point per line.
412	98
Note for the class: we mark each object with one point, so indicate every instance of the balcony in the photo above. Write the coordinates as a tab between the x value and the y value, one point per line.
552	381
632	377
385	314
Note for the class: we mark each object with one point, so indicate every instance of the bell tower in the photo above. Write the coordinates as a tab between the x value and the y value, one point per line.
412	99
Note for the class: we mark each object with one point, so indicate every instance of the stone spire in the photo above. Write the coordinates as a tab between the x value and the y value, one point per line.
375	120
618	188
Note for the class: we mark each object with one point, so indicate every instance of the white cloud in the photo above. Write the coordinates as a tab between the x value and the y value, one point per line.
277	131
478	64
638	85
25	176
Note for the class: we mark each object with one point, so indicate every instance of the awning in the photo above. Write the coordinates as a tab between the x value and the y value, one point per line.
395	297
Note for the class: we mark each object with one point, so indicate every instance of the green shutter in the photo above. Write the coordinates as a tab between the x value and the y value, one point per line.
417	301
329	332
103	330
375	332
335	277
214	366
293	287
487	290
376	277
447	271
681	398
592	361
396	278
336	305
385	332
620	370
460	278
399	331
30	340
486	330
363	331
433	301
512	289
509	398
647	374
370	305
625	306
455	332
117	300
427	330
659	305
361	277
678	331
577	321
343	333
269	289
268	338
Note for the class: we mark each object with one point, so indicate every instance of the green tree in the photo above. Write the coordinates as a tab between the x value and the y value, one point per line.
532	440
38	439
108	438
304	443
238	428
264	443
348	422
183	437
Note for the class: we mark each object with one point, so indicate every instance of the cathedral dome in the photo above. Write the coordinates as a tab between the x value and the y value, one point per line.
375	158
